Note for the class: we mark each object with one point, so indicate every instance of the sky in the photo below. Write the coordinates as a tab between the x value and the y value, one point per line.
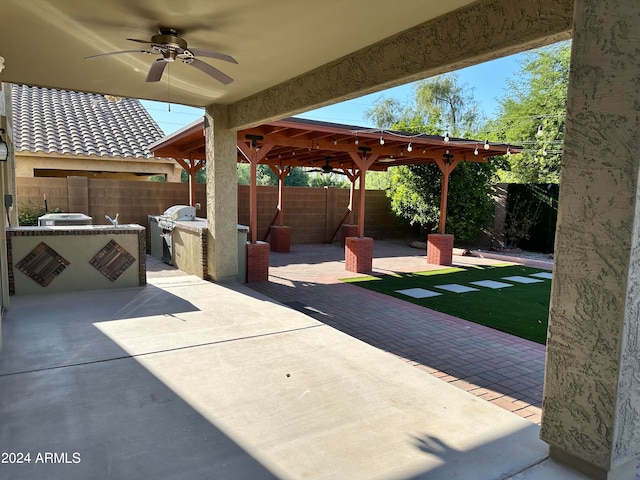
487	80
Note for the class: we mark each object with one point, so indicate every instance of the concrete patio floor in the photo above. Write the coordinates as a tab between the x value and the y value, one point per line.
503	369
189	379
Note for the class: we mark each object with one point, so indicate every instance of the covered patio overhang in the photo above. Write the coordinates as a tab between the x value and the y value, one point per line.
592	388
333	148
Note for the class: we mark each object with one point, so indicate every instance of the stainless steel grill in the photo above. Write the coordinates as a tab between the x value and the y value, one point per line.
166	224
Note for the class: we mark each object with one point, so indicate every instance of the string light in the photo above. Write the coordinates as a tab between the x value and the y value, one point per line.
540	131
486	144
446	137
335	142
357	141
475	152
409	147
381	140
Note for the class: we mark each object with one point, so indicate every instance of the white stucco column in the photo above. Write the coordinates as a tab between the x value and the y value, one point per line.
591	404
222	195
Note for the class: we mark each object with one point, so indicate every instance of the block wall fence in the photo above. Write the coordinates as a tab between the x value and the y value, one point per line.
312	213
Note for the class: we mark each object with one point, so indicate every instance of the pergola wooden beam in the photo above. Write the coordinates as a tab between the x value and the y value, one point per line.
296	142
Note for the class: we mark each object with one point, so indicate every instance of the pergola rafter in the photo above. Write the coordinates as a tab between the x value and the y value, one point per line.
295	142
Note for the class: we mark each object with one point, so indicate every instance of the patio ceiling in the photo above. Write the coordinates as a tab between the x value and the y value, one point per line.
308	143
292	56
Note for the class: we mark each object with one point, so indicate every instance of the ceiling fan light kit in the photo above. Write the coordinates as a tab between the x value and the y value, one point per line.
171	47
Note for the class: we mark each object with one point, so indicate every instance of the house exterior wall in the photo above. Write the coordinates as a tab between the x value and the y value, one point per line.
37	164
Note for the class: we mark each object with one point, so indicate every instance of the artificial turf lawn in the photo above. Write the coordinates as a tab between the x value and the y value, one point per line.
520	310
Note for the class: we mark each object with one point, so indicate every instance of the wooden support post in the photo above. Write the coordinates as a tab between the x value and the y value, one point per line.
446	167
191	166
443	201
281	173
253	201
196	166
352	193
363	163
253	154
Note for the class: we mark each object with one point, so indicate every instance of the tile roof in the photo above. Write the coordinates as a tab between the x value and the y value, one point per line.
60	121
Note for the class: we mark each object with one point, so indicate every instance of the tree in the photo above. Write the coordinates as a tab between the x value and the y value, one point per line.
532	115
328	180
201	175
298	177
440	105
451	105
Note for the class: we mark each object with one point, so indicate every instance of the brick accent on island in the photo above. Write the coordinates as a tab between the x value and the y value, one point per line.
440	249
257	262
81	243
359	254
280	238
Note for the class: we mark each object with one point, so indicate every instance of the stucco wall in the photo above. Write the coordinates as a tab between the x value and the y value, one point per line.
189	251
78	251
95	167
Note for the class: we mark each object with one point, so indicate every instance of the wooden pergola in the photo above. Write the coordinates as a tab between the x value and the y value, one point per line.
351	150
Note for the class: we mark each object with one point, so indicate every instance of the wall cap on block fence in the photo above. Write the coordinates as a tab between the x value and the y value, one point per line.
440	249
359	254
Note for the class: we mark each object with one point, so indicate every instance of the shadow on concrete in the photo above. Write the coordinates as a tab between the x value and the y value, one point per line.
68	320
112	419
489	460
117	420
411	332
230	412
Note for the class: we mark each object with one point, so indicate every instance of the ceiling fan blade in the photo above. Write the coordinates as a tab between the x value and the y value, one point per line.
211	71
139	41
118	53
156	70
202	52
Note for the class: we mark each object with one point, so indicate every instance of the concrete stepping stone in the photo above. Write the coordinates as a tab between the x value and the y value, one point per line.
455	288
547	275
491	284
520	279
418	293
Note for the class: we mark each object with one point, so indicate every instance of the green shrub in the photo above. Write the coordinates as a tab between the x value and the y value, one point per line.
28	213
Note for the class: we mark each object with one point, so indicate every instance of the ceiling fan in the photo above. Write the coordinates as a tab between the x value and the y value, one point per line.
171	46
327	168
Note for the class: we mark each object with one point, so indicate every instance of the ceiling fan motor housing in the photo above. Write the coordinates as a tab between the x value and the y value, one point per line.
169	39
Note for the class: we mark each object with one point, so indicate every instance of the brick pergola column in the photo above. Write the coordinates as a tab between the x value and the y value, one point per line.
591	402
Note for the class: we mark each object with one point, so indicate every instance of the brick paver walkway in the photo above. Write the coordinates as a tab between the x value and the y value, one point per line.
500	368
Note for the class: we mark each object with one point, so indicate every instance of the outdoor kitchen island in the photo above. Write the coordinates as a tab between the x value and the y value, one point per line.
180	240
48	259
